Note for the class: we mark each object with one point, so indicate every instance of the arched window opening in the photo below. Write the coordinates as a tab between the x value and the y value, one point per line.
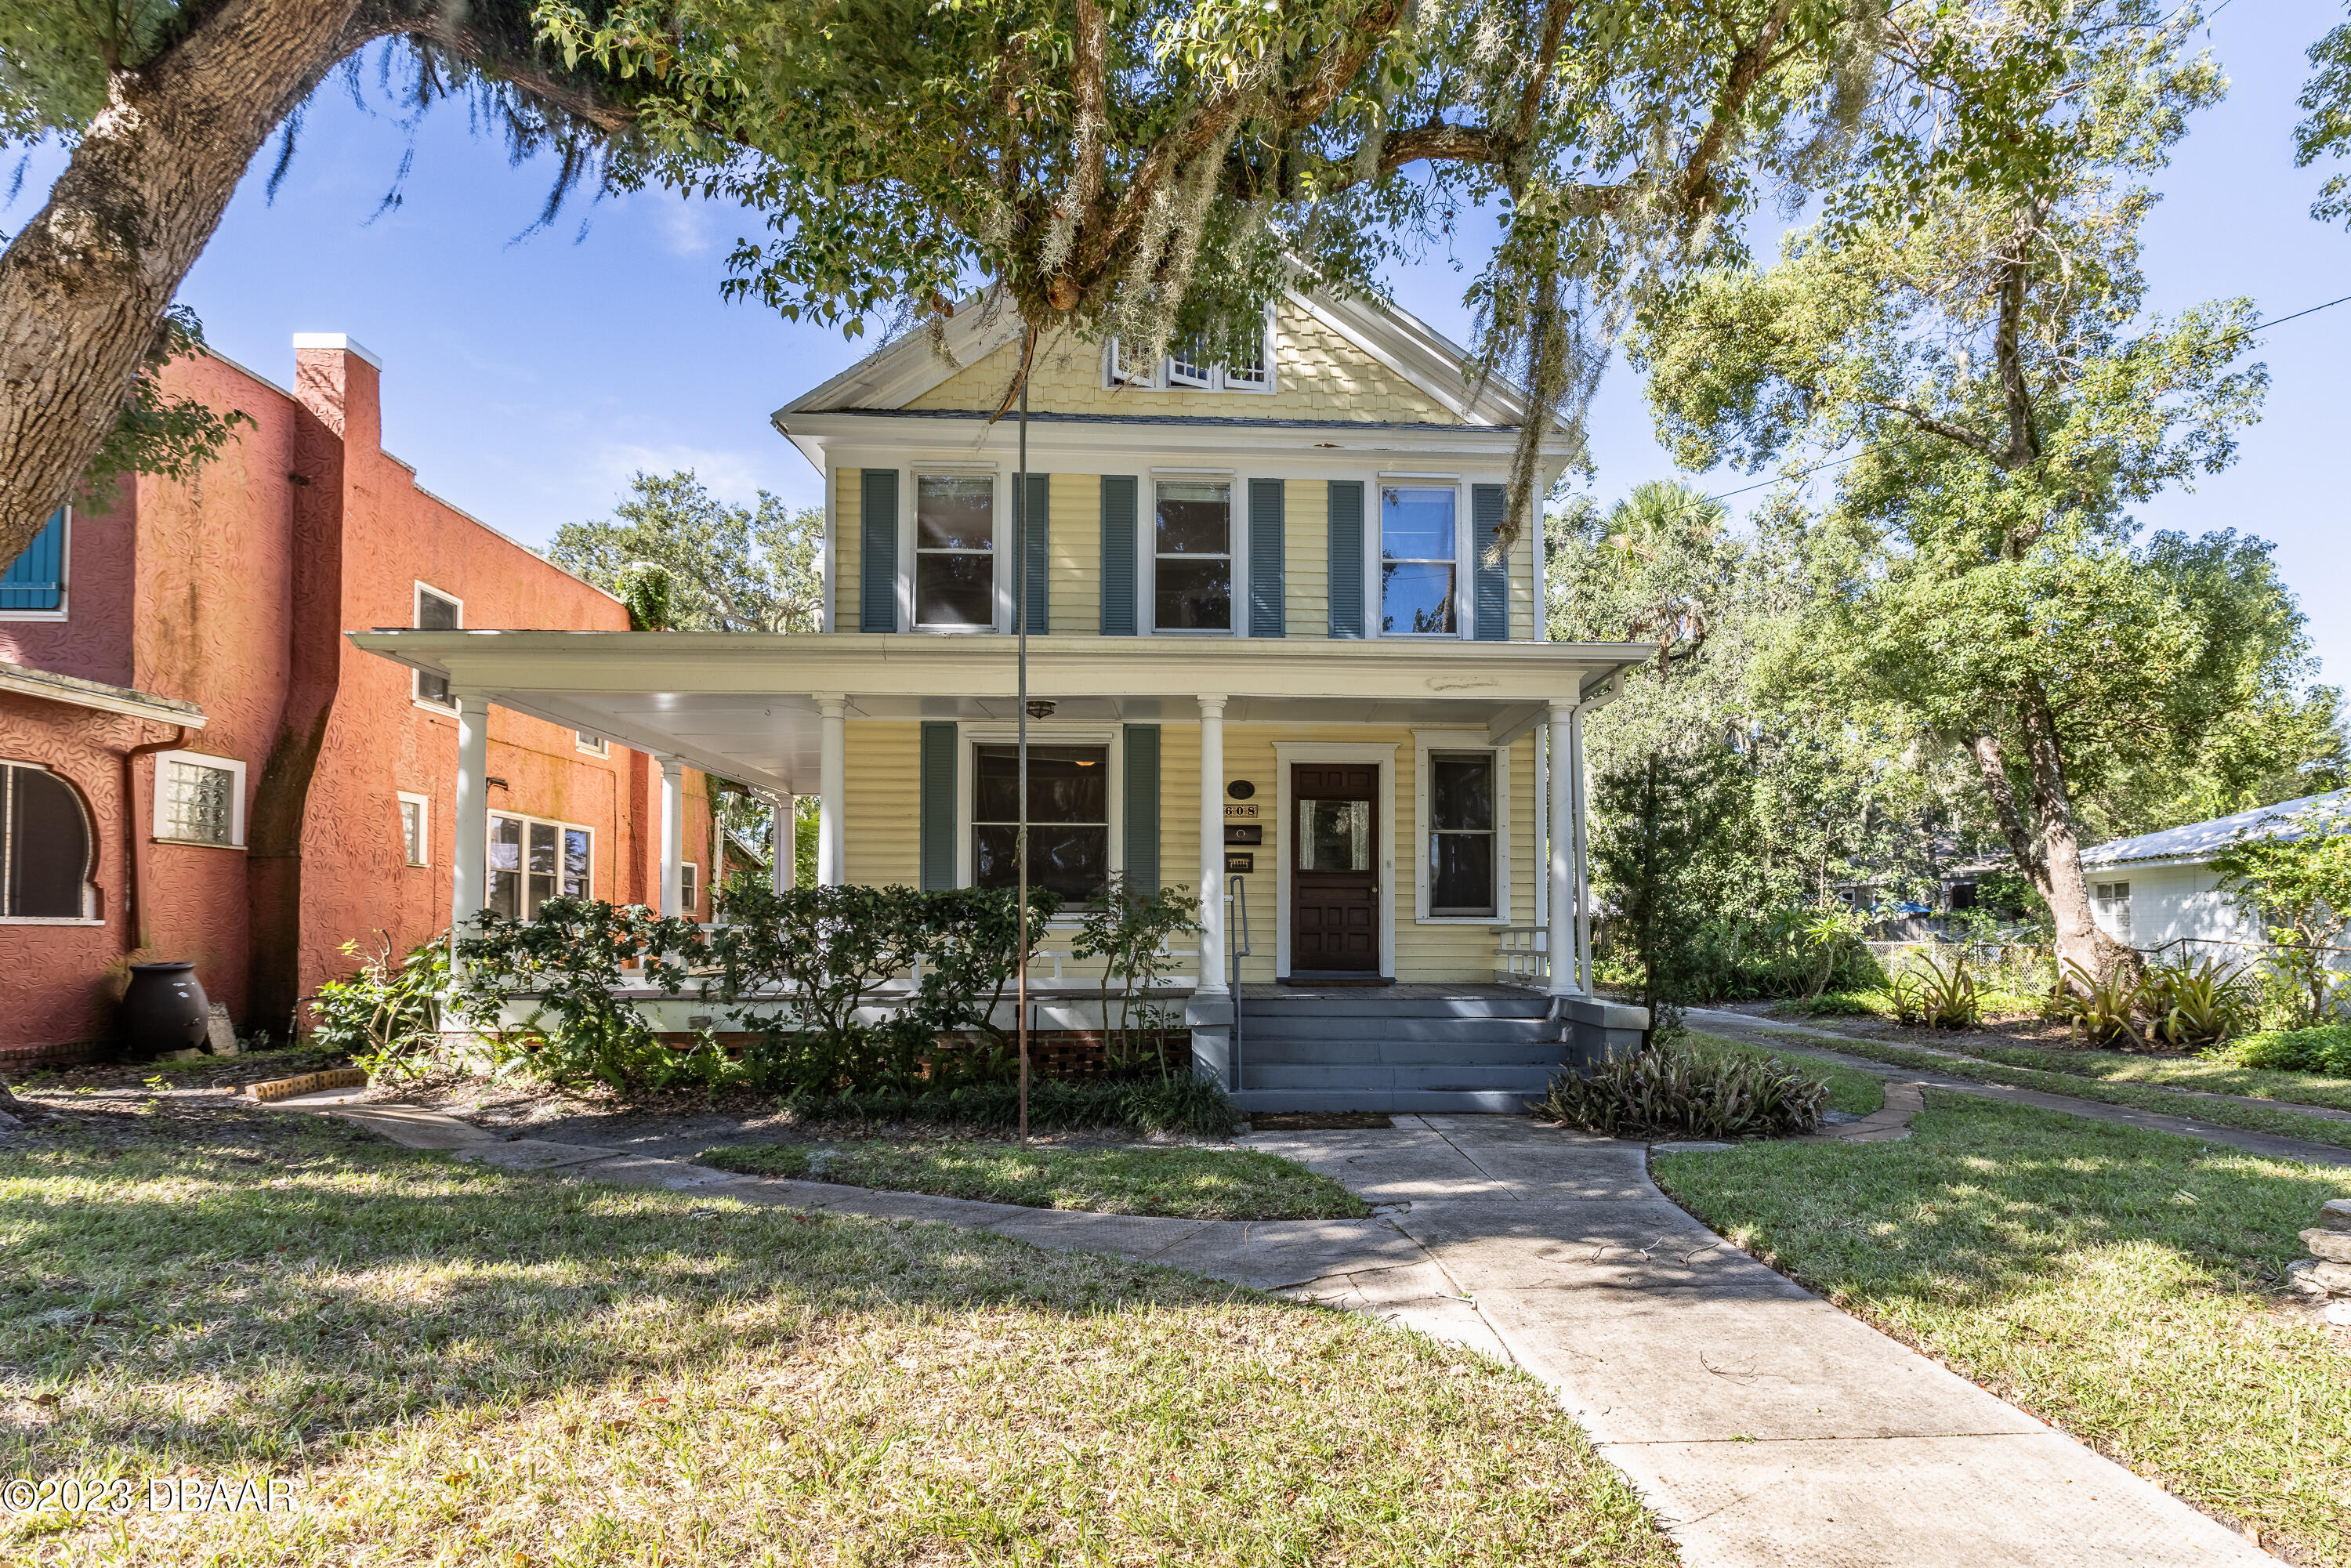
43	846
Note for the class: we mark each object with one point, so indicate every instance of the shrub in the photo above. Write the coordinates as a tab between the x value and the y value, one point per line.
2191	1005
2326	1048
384	1016
2096	1012
1129	930
571	957
1654	1092
1177	1103
1938	995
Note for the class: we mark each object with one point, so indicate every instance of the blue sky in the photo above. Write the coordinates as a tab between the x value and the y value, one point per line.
528	374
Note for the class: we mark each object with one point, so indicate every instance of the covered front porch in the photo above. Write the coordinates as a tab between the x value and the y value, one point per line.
1357	821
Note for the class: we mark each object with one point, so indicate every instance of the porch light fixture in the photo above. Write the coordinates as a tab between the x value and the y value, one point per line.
1041	707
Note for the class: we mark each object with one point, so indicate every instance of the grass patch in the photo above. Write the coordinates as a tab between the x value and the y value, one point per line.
1191	1183
2138	1096
462	1367
2119	1282
2212	1074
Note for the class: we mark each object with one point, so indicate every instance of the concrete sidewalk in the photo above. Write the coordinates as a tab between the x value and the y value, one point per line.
1764	1425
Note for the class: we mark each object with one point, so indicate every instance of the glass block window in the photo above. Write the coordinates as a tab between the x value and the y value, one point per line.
35	580
1461	832
199	802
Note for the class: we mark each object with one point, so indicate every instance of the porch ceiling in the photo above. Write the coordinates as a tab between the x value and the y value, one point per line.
744	705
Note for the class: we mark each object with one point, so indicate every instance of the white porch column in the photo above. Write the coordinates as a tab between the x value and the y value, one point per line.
1542	825
1212	844
469	879
784	845
1561	939
1583	859
672	835
832	775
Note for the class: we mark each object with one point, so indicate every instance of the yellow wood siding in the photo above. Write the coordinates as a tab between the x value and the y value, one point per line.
846	494
1318	374
1522	582
882	774
1306	558
1524	833
1077	554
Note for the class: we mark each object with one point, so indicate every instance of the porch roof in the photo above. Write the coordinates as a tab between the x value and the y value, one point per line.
745	704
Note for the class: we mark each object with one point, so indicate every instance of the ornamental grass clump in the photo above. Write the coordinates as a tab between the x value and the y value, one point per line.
1659	1094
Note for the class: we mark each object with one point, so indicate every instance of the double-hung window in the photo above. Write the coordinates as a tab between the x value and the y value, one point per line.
2113	899
1418	561
689	887
436	612
955	551
1461	852
1192	556
532	861
1068	818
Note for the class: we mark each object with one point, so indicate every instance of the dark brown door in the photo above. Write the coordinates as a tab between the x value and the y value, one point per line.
1334	875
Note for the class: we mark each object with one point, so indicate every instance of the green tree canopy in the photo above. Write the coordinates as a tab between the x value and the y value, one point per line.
728	568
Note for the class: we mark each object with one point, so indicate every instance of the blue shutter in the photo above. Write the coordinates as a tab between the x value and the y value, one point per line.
1040	534
1489	573
1118	504
877	553
1265	524
938	806
37	579
1347	558
1142	766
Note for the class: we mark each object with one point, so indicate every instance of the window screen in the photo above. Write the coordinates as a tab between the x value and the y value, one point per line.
44	845
1461	832
1068	818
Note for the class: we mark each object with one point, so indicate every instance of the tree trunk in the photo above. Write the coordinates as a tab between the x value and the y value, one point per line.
2079	940
84	284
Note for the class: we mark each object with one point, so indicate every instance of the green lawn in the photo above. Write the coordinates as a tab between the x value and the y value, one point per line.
1189	1183
2116	1090
2178	1072
2121	1283
462	1367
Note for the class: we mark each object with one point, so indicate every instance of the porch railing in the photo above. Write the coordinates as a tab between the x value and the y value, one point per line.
1522	955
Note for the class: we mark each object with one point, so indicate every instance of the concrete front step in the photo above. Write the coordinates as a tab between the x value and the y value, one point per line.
1257	1049
1264	1102
1441	1030
1366	1075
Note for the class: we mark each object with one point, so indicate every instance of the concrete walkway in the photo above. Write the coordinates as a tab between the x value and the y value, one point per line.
1813	1041
1764	1425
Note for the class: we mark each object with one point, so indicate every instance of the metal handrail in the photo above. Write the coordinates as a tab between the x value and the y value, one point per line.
1236	897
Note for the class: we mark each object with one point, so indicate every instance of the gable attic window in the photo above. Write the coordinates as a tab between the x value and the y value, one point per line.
1239	359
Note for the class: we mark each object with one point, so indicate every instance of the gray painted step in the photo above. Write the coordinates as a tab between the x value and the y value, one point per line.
1269	1101
1342	1052
1377	1007
1433	1030
1283	1075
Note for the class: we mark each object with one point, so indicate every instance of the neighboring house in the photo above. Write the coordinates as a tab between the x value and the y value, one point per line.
2160	889
1275	647
199	766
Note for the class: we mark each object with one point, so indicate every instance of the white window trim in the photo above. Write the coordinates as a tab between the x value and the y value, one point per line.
1162	376
689	874
2103	907
910	480
590	745
1041	732
418	589
423	804
89	837
526	820
157	820
1146	551
1286	752
1375	537
1424	741
64	609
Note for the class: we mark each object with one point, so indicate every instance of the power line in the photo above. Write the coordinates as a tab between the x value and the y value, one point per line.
1856	456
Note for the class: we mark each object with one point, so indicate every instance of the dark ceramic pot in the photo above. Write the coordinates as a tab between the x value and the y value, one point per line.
164	1009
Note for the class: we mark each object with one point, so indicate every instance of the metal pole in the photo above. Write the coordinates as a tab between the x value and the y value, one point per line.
1020	819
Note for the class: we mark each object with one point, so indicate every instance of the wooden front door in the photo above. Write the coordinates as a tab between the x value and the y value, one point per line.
1334	875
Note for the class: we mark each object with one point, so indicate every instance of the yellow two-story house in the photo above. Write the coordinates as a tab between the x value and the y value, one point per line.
1276	654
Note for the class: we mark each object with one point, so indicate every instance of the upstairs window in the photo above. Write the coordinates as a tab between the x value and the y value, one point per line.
436	612
43	846
594	745
1192	557
1068	818
1236	359
1461	832
955	552
1418	561
35	582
